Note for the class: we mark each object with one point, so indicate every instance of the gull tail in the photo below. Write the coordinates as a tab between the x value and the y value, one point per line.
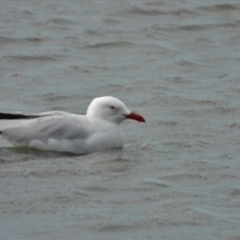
15	116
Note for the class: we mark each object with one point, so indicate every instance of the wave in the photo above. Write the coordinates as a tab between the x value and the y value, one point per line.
10	40
44	57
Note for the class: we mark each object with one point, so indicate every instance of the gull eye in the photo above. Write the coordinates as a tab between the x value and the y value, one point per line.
112	107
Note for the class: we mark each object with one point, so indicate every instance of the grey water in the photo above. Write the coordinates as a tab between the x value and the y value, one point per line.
176	63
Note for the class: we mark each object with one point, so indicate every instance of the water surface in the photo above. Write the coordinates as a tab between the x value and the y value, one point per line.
176	63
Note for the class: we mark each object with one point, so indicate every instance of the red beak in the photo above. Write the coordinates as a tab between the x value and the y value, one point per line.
135	116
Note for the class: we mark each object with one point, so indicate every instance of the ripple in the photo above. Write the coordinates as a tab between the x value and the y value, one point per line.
186	177
61	21
136	10
141	11
94	33
234	192
223	110
111	21
157	182
117	228
31	58
10	40
196	27
219	8
53	97
110	45
96	188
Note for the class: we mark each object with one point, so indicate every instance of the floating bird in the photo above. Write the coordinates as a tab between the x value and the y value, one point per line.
61	131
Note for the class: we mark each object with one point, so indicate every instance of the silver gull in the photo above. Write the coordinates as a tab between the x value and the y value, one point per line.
61	131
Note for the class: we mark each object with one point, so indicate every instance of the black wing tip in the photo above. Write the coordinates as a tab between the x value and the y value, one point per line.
12	116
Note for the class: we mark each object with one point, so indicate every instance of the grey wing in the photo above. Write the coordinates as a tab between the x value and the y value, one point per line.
57	133
60	127
53	113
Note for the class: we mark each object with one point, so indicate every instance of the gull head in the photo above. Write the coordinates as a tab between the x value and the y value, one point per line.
111	109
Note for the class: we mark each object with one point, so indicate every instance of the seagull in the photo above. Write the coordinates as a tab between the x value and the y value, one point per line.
67	132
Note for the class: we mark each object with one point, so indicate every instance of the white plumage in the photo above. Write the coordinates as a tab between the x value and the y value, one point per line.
60	131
